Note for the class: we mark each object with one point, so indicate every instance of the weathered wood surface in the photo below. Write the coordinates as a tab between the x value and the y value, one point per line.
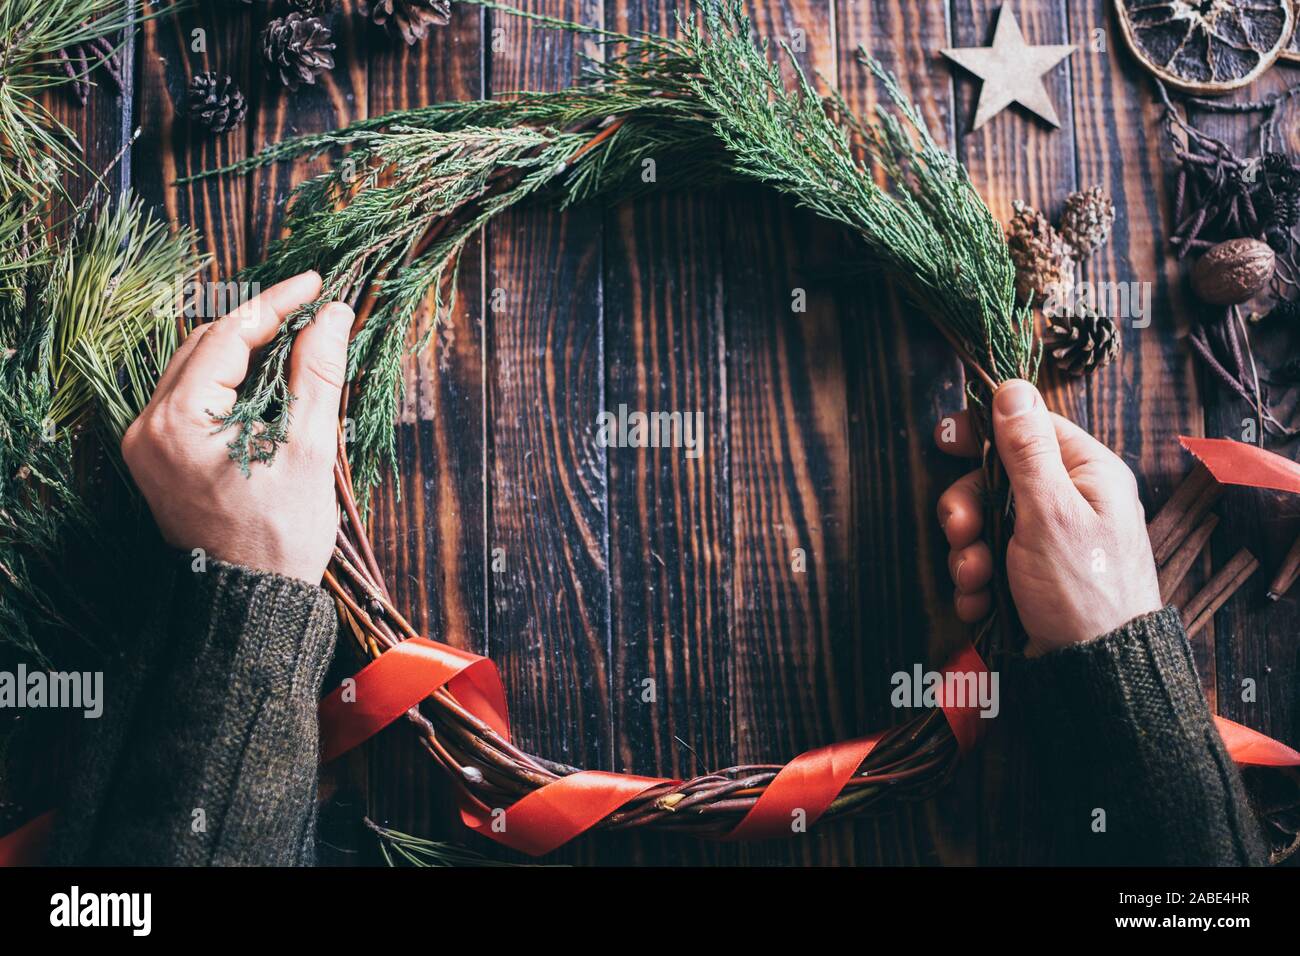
645	607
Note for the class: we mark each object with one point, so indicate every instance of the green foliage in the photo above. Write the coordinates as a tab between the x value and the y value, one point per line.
36	150
402	849
39	510
84	332
395	212
113	297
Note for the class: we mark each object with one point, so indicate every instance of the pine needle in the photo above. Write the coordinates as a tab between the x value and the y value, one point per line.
36	150
113	298
402	849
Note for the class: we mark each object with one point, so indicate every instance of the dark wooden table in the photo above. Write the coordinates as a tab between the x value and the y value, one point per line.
625	565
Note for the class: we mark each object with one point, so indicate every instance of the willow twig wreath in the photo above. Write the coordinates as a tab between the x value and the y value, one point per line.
386	225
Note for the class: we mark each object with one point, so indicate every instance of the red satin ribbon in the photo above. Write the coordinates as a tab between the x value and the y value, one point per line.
1252	749
1236	463
554	814
398	680
26	845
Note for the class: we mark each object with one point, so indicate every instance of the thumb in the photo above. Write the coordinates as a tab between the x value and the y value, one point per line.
317	370
1027	444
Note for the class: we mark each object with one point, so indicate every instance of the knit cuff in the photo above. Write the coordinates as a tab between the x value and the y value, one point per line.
1144	667
1124	727
274	627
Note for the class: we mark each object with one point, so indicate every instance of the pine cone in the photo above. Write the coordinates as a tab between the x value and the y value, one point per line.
215	101
297	49
1044	265
410	19
1081	341
1087	221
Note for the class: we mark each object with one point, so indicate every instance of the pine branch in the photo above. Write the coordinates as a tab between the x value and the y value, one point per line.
111	299
36	149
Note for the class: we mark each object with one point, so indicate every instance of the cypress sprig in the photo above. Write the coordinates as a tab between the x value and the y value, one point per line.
387	224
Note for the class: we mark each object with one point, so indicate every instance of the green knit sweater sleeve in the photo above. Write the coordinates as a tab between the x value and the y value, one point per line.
217	756
1139	771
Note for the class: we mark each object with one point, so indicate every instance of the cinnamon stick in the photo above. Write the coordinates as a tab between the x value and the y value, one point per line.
1208	493
1201	609
1286	574
1175	570
1162	525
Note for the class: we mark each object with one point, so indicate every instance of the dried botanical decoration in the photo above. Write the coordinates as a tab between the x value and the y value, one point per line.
215	102
1087	221
1044	262
82	58
1206	46
1082	341
297	49
312	8
1233	272
409	19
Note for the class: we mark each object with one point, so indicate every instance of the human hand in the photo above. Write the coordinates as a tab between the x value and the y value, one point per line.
1079	561
283	517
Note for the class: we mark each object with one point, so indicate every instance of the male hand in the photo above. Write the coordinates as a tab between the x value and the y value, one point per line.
1079	561
283	517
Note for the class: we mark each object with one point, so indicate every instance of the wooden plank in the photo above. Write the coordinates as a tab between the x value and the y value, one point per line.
1016	156
548	610
39	749
669	510
795	660
100	127
172	49
901	378
430	536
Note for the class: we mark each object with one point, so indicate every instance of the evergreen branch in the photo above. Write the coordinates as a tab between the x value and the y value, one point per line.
402	849
112	299
36	149
386	225
85	332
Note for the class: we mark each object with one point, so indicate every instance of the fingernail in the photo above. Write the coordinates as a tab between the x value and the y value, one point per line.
956	576
1015	398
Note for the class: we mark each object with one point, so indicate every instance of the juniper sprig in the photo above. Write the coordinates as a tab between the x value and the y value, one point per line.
386	225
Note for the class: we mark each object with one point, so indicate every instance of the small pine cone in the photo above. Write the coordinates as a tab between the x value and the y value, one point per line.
297	49
1082	341
409	19
1087	221
214	101
1044	265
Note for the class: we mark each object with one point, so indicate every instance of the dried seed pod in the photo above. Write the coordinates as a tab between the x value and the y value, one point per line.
1044	264
1087	221
1082	342
1233	272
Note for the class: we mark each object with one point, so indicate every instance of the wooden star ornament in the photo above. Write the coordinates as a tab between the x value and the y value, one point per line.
1012	71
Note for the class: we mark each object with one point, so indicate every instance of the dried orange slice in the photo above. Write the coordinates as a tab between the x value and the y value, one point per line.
1292	50
1207	46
